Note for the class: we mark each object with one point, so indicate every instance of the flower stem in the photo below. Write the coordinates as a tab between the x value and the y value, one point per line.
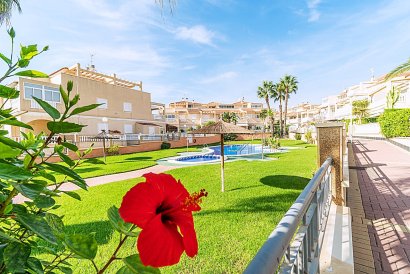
113	257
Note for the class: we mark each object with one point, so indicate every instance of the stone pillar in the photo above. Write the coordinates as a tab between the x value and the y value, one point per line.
330	142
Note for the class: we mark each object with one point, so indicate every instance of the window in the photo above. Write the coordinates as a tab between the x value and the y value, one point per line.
127	128
102	126
104	103
127	107
45	93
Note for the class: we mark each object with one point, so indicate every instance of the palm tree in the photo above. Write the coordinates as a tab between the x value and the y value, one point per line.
290	85
6	8
278	95
399	70
230	117
265	92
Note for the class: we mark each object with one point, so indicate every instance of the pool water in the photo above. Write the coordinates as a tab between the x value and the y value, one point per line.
198	158
240	150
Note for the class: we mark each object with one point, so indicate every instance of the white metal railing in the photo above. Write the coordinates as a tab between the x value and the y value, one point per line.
294	246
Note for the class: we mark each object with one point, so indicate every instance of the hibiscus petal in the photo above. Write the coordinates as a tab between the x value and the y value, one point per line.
140	204
160	244
185	222
174	191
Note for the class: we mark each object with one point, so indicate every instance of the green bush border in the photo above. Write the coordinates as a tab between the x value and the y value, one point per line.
395	122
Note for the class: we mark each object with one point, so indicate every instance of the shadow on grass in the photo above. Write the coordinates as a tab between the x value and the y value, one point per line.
267	203
94	161
285	181
86	169
138	158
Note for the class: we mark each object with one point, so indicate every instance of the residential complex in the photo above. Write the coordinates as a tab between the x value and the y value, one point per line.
187	114
125	108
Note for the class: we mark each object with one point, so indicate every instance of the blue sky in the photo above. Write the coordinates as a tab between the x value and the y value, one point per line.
215	50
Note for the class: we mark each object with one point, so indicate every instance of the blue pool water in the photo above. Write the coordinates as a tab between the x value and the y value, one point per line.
198	158
238	150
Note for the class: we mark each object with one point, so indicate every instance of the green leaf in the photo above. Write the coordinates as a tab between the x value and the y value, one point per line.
15	257
8	152
28	52
32	73
11	143
46	175
4	132
52	111
118	223
134	264
5	59
46	48
35	265
64	127
6	238
23	63
15	122
8	209
70	146
72	194
70	85
65	269
84	109
29	190
80	184
11	172
65	158
38	225
55	222
64	95
83	245
42	201
75	100
124	270
12	33
8	92
64	170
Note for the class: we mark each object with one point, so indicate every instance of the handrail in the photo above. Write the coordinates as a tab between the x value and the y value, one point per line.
246	145
271	255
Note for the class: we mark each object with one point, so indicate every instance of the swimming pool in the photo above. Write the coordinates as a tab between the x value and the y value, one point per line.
241	150
195	159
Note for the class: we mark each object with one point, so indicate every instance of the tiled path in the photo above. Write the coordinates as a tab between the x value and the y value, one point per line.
101	180
383	185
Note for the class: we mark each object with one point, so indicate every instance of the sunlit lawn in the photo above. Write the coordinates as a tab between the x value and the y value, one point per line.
232	225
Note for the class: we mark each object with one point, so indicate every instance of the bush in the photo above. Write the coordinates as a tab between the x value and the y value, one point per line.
273	142
309	138
113	150
230	137
395	123
298	136
165	145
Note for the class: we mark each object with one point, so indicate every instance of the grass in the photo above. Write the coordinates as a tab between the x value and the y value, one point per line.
232	225
126	162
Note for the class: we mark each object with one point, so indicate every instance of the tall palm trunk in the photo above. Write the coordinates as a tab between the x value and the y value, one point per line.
286	110
272	120
280	118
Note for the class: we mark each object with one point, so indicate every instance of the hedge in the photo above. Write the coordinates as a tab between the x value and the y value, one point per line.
395	122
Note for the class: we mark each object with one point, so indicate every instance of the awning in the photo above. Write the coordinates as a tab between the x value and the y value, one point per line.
149	124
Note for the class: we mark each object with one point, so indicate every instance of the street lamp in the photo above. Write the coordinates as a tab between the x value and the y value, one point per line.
104	135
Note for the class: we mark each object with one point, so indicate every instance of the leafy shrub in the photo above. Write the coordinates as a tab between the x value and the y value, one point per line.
165	145
230	137
273	142
395	123
113	150
298	136
308	137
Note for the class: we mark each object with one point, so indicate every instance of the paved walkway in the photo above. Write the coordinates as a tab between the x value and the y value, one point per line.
383	185
101	180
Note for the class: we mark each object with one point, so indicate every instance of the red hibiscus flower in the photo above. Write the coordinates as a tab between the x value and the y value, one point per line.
163	208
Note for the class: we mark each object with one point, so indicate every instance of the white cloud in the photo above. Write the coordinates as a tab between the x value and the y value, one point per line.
314	14
219	77
198	34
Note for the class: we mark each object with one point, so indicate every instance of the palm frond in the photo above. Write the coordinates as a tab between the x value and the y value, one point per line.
398	70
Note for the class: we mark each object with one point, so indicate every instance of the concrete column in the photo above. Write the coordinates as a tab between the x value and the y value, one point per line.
330	142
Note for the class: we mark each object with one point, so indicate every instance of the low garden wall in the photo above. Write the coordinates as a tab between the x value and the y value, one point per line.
147	146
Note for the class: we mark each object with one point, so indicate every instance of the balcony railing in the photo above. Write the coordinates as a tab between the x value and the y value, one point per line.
295	244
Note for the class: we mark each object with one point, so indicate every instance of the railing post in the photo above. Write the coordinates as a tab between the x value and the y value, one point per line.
330	142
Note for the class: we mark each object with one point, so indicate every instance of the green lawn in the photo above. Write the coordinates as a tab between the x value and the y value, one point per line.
126	162
231	226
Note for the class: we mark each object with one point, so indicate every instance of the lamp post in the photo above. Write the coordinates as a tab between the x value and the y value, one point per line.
186	136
